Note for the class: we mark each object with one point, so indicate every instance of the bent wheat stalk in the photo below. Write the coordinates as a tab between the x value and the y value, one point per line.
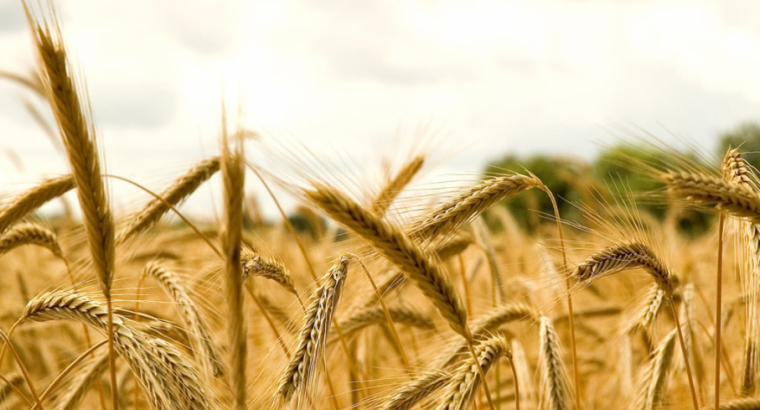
454	213
395	185
29	201
183	187
30	234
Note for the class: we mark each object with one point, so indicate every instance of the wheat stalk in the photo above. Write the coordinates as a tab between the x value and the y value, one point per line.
164	386
33	198
554	389
702	189
736	171
180	189
462	386
375	315
255	265
412	393
655	377
452	214
389	241
395	185
200	336
233	177
72	113
622	257
318	319
30	234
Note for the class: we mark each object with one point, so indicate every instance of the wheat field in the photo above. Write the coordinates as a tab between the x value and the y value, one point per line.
392	298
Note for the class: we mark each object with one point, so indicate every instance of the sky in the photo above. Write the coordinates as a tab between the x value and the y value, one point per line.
493	77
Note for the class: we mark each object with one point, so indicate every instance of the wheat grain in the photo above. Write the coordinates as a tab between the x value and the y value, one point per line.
190	314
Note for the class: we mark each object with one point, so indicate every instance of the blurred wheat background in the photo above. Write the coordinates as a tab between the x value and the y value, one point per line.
265	205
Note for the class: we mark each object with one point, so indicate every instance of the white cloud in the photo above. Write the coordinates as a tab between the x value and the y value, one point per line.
525	76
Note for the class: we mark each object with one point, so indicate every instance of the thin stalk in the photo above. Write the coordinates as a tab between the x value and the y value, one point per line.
111	355
693	390
176	212
480	369
58	379
576	378
88	341
22	368
16	389
465	285
394	333
719	291
517	385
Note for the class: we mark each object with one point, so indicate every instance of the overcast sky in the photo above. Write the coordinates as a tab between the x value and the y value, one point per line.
497	76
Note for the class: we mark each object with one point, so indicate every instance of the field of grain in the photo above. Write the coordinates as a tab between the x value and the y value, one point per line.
396	298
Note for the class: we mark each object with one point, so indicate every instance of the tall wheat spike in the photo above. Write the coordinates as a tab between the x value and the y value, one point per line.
233	177
554	388
736	171
313	334
72	113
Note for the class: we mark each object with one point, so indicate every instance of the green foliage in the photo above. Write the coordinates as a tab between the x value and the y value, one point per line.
616	171
557	173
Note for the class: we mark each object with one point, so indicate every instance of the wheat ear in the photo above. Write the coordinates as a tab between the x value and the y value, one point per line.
649	310
482	327
395	185
702	189
72	113
200	336
28	201
623	257
318	319
389	241
736	170
375	315
180	189
255	265
412	393
454	213
461	391
166	387
554	389
233	177
84	381
655	378
30	234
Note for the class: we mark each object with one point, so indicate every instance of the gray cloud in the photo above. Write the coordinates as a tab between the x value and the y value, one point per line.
11	16
142	106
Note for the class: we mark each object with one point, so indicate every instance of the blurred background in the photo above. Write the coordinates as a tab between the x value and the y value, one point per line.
541	84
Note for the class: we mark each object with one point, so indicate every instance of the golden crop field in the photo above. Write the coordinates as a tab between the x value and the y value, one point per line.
395	298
